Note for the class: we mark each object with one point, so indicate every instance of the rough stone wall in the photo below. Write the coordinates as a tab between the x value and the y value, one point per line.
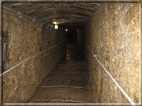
26	42
113	34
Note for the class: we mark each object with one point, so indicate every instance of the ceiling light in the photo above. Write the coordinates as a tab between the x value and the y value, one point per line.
56	26
54	22
66	30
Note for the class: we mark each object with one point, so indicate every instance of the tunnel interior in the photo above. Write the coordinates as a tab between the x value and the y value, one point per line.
71	52
71	34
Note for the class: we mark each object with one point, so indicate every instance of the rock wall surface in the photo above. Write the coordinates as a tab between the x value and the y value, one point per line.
30	51
113	34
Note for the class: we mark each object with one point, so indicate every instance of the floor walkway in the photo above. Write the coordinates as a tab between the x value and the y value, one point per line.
67	83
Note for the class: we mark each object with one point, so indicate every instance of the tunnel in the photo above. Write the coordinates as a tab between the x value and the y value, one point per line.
71	53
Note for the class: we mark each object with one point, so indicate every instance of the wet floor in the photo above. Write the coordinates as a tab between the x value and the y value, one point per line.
67	83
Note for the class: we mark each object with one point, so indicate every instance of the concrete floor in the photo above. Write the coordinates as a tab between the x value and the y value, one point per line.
67	83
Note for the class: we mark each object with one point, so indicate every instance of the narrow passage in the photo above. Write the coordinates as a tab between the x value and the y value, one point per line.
67	83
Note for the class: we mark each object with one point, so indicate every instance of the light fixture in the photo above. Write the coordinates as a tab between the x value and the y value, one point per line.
56	27
66	30
55	23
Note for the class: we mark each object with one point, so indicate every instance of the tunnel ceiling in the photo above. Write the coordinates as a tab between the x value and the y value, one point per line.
62	13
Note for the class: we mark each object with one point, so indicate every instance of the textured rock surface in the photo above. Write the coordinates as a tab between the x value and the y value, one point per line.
60	12
113	34
22	40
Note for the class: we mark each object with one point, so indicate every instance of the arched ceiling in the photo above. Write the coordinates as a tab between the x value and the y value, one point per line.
55	13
